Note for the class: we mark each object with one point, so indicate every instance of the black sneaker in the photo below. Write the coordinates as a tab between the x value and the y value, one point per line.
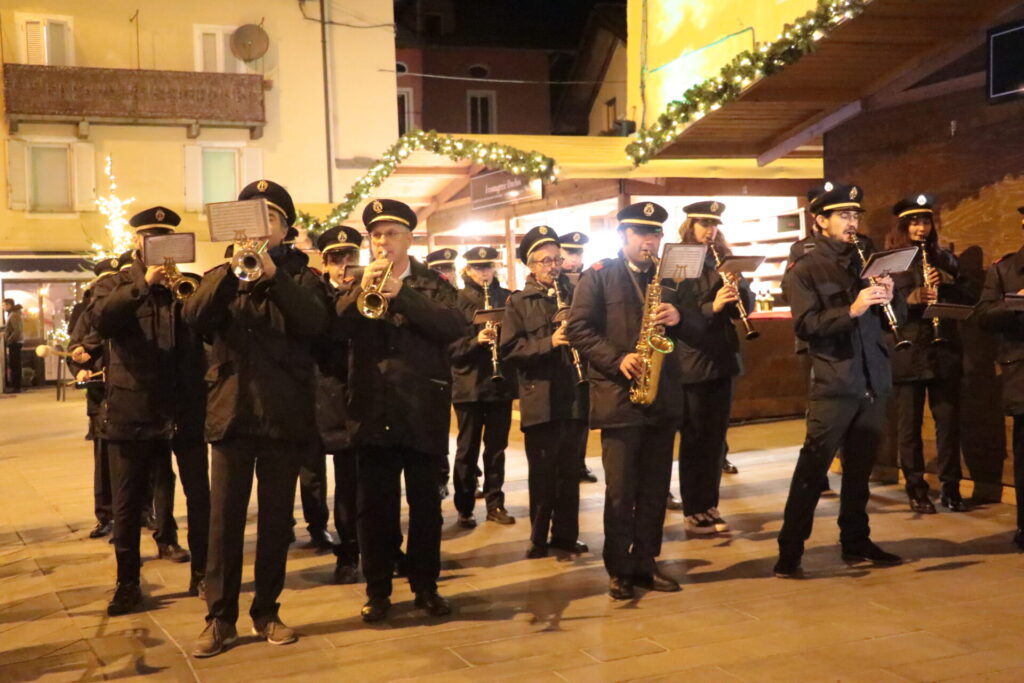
321	539
699	524
127	598
215	637
346	573
788	567
867	551
587	476
434	604
536	552
673	503
501	516
467	521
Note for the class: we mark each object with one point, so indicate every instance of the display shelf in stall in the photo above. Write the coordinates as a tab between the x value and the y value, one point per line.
770	237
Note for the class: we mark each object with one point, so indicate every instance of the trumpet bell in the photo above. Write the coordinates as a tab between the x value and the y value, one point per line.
184	288
247	265
372	304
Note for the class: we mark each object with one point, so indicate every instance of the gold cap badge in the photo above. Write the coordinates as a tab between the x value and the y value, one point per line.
377	206
543	230
262	185
575	237
829	186
853	193
113	262
481	252
921	200
160	214
648	209
715	206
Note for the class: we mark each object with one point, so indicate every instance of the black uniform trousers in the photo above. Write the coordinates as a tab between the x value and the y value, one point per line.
1018	466
582	451
638	468
194	470
706	407
490	420
132	464
102	496
232	464
346	512
856	426
313	491
944	401
379	501
552	452
162	483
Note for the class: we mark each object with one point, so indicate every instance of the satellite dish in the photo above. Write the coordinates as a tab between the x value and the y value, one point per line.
249	42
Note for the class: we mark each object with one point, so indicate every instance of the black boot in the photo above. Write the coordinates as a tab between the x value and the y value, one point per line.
127	598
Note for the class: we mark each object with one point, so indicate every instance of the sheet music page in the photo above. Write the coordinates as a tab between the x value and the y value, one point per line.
883	263
178	246
248	218
683	261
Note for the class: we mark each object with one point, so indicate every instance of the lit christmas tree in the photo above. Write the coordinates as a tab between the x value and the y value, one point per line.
114	208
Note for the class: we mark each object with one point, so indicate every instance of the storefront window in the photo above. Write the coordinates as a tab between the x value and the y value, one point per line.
45	309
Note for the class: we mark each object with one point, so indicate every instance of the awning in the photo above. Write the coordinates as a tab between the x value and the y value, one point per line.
44	262
886	49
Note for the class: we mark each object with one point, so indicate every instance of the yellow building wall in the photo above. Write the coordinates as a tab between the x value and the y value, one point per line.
149	160
614	85
689	41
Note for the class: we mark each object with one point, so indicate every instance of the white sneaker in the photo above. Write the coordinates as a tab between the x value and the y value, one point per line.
716	519
699	523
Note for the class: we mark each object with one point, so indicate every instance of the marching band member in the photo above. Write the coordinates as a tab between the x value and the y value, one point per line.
608	311
481	394
553	401
709	362
841	321
399	398
259	418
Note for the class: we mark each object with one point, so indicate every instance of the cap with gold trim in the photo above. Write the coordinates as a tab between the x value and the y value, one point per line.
642	217
277	197
124	261
388	211
839	198
708	210
480	255
914	204
339	237
573	241
105	267
157	220
441	257
536	237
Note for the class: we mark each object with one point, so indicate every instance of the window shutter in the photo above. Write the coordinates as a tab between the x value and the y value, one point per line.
194	178
252	165
35	42
17	175
84	155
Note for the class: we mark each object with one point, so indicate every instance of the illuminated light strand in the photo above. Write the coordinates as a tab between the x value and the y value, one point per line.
114	208
743	71
529	164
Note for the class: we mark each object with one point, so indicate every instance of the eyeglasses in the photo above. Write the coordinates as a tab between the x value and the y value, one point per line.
548	262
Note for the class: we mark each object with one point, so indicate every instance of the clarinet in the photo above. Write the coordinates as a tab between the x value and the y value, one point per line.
890	315
577	364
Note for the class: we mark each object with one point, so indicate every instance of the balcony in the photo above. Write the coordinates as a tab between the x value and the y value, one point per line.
130	97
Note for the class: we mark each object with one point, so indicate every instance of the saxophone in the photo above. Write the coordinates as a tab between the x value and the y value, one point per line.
652	346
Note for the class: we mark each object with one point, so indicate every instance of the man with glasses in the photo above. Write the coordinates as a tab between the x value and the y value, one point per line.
840	318
398	405
482	399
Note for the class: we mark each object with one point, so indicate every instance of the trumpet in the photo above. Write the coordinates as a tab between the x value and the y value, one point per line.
371	302
247	260
890	315
182	286
732	280
927	269
496	374
563	309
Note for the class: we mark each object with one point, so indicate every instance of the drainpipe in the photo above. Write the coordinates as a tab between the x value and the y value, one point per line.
327	104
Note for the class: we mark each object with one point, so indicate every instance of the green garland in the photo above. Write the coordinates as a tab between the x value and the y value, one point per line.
745	69
492	155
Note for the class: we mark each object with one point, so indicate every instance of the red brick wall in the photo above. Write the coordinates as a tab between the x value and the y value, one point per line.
413	60
969	154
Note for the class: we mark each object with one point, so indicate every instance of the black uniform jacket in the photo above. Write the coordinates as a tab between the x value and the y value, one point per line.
399	379
331	352
548	388
849	356
1006	276
139	324
711	351
604	325
190	411
259	378
471	361
925	360
80	327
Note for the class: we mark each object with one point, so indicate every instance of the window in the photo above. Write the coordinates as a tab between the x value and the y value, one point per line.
404	110
217	172
44	39
482	110
479	71
401	68
213	50
51	175
610	114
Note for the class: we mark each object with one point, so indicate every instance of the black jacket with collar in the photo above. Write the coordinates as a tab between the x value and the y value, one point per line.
260	380
471	361
399	378
548	382
604	325
712	351
1006	276
849	356
138	324
925	360
331	353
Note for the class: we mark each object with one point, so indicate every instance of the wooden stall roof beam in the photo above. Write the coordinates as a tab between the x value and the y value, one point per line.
453	188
